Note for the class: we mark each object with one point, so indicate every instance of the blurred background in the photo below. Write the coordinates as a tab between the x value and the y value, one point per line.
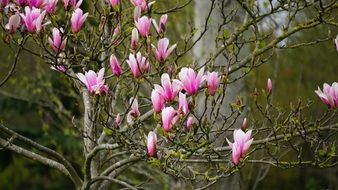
39	103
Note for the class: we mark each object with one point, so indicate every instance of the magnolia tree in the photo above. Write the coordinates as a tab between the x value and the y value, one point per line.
140	90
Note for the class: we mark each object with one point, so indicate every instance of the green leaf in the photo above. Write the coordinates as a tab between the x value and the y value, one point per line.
108	131
226	34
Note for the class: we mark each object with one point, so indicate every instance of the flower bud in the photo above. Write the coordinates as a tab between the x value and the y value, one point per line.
269	85
245	124
134	39
115	66
151	144
190	122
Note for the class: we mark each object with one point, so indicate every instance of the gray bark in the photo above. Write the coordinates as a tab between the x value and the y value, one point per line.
203	50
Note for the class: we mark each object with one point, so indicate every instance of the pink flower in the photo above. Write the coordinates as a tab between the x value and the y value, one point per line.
137	64
57	43
142	4
117	121
60	68
115	66
162	51
77	20
236	153
13	23
134	112
269	85
137	2
190	122
4	3
161	28
241	144
50	6
169	118
116	31
21	2
94	82
134	39
33	18
157	100
72	4
244	124
336	42
143	26
213	82
168	90
183	105
329	95
190	81
151	143
114	3
36	3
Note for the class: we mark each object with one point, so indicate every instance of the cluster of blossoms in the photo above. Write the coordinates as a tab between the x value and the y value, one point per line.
32	16
189	83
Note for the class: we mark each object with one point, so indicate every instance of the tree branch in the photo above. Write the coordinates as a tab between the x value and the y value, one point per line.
36	157
73	174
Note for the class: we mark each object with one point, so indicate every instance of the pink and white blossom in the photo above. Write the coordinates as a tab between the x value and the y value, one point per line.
60	68
94	82
169	118
269	85
4	3
50	6
162	26
244	124
168	90
115	66
151	144
189	123
161	51
117	121
142	4
143	26
21	2
134	112
13	23
114	3
33	18
241	144
138	64
212	82
190	81
329	95
157	100
56	42
134	39
77	20
36	3
183	105
116	31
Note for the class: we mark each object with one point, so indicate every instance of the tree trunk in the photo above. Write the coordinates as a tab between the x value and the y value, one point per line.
202	51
